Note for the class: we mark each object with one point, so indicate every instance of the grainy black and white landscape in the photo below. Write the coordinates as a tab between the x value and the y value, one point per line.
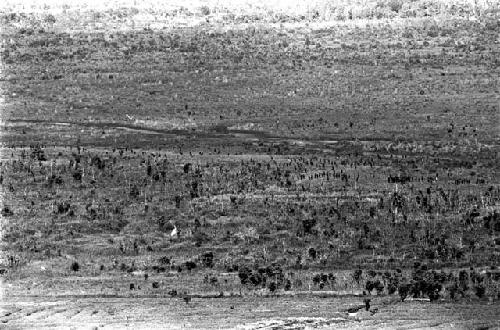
331	164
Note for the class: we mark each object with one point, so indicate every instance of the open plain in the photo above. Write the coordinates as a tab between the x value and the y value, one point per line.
250	165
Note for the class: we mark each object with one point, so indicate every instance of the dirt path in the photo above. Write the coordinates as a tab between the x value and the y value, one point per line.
243	313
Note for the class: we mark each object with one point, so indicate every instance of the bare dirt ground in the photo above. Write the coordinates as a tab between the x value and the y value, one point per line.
240	313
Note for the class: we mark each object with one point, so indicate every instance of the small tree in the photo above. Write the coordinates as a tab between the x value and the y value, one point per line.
75	266
312	253
403	290
357	275
208	259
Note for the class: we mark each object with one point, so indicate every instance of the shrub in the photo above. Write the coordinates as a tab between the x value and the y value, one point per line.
308	225
49	19
432	290
288	285
164	260
208	259
453	289
357	275
257	279
480	291
374	284
316	279
77	176
190	265
404	290
200	238
54	179
75	266
134	191
63	207
204	10
312	253
164	225
463	279
391	288
6	211
213	280
244	274
395	5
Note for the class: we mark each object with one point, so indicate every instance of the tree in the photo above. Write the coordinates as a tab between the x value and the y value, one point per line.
357	275
403	290
312	253
208	259
75	266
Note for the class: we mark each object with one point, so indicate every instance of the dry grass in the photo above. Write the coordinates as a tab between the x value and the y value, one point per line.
316	9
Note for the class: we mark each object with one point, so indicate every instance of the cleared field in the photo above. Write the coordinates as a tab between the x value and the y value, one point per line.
240	313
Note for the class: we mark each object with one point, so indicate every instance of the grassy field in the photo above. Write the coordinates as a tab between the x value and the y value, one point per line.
205	159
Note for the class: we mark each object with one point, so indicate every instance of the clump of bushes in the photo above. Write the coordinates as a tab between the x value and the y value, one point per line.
374	285
7	212
271	276
434	285
321	279
75	266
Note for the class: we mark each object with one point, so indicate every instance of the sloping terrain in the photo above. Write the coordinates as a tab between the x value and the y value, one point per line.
250	167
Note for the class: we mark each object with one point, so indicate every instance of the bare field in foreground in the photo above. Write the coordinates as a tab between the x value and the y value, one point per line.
240	313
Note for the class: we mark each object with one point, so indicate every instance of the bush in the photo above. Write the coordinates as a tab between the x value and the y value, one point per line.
312	253
432	290
75	266
244	274
480	291
200	238
374	284
164	260
357	275
190	265
208	259
77	176
63	207
134	191
308	225
395	5
257	279
6	211
404	290
204	10
391	288
49	19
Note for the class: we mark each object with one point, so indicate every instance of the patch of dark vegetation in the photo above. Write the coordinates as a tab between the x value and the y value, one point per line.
75	266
